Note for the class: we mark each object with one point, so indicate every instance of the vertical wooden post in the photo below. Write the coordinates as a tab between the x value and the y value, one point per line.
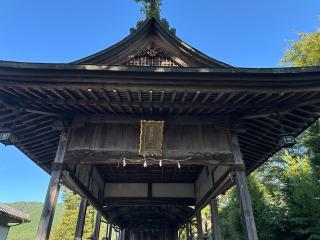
243	192
176	234
217	235
246	206
131	235
123	234
50	203
107	231
97	225
81	219
188	231
199	226
110	232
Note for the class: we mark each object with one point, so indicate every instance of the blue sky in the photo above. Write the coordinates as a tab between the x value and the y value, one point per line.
247	33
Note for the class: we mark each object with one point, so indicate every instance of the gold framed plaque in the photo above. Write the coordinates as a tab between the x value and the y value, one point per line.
151	138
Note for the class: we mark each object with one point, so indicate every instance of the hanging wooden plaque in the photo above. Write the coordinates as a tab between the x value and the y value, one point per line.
151	138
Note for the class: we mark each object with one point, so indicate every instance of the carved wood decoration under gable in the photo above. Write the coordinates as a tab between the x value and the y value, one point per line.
152	57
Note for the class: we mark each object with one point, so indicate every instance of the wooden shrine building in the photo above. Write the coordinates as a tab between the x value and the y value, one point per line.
151	130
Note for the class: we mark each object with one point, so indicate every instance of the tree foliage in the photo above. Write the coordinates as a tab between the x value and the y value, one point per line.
304	52
311	139
301	193
66	228
151	8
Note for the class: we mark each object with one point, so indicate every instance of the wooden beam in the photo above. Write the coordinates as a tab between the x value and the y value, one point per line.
70	180
81	219
110	232
188	231
199	226
111	118
130	201
235	148
122	234
217	235
246	206
220	186
253	107
223	160
243	192
107	230
23	109
97	225
48	210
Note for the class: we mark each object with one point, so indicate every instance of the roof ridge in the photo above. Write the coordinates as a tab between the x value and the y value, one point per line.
13	213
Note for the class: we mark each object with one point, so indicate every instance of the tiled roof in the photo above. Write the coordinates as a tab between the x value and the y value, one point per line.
13	214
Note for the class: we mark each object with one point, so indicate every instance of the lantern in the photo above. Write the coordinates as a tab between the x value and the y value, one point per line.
287	141
7	137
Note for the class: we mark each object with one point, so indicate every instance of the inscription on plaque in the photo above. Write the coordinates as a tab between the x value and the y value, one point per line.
151	137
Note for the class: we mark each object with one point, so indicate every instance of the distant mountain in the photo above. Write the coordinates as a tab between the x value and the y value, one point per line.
27	231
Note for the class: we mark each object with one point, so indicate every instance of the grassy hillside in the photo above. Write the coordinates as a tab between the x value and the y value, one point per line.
28	231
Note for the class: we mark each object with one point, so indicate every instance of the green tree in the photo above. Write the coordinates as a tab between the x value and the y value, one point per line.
304	52
266	213
66	228
311	139
301	192
230	218
267	220
301	181
151	8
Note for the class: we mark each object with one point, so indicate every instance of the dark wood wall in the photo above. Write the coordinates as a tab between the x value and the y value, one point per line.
179	141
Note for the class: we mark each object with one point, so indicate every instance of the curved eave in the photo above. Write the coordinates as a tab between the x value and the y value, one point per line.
249	79
149	26
116	48
189	49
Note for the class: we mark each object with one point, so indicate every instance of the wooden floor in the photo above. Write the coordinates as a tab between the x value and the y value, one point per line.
161	234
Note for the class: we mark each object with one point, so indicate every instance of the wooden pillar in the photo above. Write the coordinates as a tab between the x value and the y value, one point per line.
107	231
175	233
97	225
110	232
243	192
190	231
188	235
81	219
217	235
246	206
123	234
50	203
131	235
199	226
